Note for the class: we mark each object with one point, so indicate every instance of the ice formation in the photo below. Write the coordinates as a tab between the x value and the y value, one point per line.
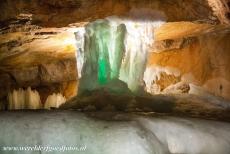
79	36
138	40
24	99
54	101
190	136
153	73
103	53
30	99
114	49
121	134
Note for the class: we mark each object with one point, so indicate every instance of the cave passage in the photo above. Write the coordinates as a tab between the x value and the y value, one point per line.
115	76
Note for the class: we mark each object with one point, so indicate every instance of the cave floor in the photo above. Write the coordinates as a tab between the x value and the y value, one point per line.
105	123
113	132
181	105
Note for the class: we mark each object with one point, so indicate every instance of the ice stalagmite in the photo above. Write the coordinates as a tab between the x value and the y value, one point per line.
114	50
103	52
138	40
24	99
79	36
30	99
54	101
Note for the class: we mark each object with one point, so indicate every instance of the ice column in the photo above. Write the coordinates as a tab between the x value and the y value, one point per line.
103	52
115	49
138	40
79	36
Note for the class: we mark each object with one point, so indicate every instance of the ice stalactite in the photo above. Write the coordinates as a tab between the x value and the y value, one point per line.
138	40
115	49
24	99
153	73
54	101
30	99
79	36
103	52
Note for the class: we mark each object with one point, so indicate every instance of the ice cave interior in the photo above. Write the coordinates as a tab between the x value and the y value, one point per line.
115	77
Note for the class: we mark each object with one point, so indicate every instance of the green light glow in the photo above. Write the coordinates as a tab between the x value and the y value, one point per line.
115	52
102	72
104	48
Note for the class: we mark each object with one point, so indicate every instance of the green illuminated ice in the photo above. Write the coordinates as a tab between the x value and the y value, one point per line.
103	53
115	54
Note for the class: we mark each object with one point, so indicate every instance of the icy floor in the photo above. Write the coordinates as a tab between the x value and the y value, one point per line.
107	133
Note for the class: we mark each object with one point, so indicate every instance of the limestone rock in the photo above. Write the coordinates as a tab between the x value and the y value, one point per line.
178	88
165	80
26	76
58	72
61	13
35	51
206	59
170	44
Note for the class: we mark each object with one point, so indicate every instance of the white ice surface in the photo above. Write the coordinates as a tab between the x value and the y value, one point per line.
122	134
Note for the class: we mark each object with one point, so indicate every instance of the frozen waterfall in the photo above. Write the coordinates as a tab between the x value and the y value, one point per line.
103	53
114	50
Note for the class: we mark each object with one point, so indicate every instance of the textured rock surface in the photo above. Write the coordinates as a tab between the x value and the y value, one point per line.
203	105
34	52
56	13
221	9
42	58
203	61
166	80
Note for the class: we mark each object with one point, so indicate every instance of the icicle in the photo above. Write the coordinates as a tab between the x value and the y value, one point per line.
139	39
114	49
32	99
24	99
103	52
153	73
79	35
54	100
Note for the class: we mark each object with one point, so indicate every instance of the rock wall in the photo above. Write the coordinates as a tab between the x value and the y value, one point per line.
57	13
204	61
37	43
41	58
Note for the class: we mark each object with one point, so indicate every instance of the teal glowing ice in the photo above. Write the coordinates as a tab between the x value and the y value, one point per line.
104	49
102	71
